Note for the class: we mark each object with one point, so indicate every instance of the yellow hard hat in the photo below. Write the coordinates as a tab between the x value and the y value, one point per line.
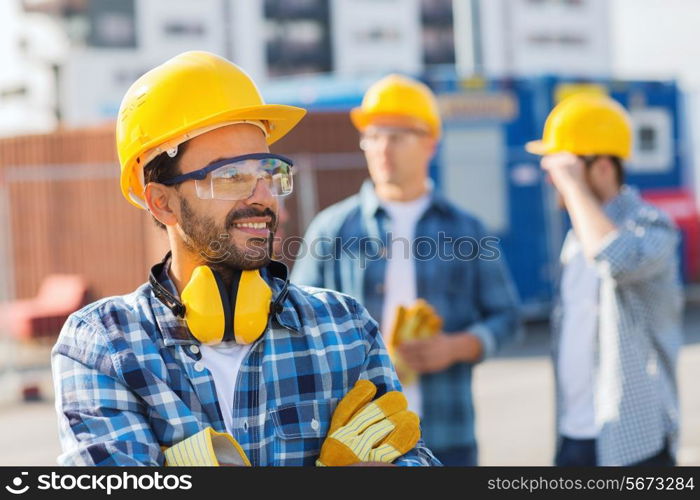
398	96
586	124
186	96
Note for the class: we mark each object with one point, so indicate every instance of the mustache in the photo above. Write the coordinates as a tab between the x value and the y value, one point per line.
244	213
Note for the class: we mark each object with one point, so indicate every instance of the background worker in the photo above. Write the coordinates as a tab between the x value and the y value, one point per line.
400	127
617	329
217	337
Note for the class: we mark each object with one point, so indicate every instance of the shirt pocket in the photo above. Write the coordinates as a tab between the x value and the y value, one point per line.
299	431
455	300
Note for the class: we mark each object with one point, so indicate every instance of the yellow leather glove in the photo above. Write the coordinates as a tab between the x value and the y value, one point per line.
363	430
418	322
207	447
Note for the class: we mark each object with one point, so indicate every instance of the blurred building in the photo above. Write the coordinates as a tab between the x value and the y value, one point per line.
659	39
534	37
76	58
32	51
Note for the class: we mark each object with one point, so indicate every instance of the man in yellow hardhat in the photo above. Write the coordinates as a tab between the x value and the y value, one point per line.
218	340
617	325
399	240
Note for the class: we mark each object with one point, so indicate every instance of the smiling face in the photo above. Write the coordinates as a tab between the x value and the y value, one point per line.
224	234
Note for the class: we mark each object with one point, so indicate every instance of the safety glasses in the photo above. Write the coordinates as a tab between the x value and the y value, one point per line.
235	178
374	137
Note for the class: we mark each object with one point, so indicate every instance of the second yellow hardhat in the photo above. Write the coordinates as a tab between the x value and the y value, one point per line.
186	96
397	96
586	124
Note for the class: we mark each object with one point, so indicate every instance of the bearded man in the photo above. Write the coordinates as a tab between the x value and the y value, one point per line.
217	340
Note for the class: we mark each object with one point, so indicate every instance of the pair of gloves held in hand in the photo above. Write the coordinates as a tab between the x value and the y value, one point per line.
417	322
361	430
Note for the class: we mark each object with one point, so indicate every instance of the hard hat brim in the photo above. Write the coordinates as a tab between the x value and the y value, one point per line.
537	148
361	120
282	118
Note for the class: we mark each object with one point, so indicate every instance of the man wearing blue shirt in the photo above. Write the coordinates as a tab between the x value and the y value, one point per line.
398	240
217	337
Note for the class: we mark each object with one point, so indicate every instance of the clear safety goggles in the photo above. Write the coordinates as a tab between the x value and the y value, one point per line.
236	178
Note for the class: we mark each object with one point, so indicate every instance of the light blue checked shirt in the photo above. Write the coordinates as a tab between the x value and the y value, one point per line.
639	334
129	380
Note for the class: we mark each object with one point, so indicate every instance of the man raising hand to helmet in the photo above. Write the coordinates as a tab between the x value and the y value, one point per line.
218	342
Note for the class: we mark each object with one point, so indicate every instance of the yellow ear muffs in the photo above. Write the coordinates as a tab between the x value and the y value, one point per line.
207	308
213	316
251	306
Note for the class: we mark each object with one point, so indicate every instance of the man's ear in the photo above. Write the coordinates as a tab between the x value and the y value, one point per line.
158	199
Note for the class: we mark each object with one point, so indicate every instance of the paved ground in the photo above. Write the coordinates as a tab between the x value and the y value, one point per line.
513	396
514	400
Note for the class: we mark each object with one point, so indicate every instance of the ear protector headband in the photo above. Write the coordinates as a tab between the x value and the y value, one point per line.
215	313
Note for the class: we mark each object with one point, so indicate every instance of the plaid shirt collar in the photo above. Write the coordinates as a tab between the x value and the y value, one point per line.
175	331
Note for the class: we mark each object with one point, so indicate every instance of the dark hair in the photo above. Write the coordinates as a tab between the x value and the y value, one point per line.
616	162
162	168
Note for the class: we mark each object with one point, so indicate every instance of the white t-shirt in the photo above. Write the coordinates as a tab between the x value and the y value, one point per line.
224	362
576	362
400	277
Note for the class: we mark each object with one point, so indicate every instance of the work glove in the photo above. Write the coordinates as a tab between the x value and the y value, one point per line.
418	322
207	447
363	430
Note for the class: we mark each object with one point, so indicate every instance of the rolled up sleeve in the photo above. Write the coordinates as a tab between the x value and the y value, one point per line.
639	249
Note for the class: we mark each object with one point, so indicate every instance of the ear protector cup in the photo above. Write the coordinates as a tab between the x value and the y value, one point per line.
251	306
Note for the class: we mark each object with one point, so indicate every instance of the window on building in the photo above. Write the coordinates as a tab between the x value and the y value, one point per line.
112	23
297	37
184	28
438	34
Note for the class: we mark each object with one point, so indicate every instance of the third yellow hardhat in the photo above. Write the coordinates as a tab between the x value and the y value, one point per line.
586	124
397	96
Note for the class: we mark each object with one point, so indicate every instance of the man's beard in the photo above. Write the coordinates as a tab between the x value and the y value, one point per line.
214	245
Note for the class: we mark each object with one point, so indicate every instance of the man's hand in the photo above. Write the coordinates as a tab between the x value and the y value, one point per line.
440	352
590	223
363	431
566	171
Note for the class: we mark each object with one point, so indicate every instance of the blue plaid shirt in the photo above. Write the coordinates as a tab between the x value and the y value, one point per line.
475	295
129	380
